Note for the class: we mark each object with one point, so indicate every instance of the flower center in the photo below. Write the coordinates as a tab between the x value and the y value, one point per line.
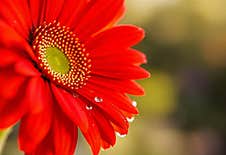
57	60
61	56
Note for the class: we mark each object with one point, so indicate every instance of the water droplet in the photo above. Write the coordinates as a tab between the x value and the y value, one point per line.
120	135
134	103
130	119
98	99
89	107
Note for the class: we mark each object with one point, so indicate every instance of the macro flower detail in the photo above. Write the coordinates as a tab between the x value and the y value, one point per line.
61	56
65	66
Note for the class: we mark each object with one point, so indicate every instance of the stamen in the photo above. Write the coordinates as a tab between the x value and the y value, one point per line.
61	56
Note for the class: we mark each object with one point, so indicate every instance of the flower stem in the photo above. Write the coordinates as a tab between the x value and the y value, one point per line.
3	137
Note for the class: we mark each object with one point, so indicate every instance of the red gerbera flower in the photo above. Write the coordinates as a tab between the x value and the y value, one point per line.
65	65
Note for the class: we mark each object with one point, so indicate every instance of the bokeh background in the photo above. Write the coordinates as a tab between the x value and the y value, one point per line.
184	110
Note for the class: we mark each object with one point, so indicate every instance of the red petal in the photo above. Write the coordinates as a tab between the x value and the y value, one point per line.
105	128
73	12
3	102
120	130
11	39
35	126
37	8
120	72
69	105
16	14
93	136
124	86
53	9
94	14
118	56
26	68
21	64
10	83
105	144
128	115
116	37
9	57
33	129
114	20
37	89
46	146
65	135
13	109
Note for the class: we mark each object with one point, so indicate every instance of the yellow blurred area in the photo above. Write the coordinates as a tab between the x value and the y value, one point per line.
160	98
212	11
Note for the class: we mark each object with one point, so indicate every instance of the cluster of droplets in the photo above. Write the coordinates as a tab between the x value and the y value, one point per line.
100	100
53	35
129	119
97	100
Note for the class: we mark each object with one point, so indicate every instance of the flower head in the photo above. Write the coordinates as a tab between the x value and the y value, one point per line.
65	65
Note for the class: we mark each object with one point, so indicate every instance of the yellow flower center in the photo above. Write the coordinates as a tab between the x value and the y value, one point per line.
57	60
61	56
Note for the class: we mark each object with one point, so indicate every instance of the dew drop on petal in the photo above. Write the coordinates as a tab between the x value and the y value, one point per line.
120	135
89	107
134	103
130	119
98	99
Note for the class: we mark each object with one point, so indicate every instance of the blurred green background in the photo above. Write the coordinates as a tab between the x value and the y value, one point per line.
184	110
